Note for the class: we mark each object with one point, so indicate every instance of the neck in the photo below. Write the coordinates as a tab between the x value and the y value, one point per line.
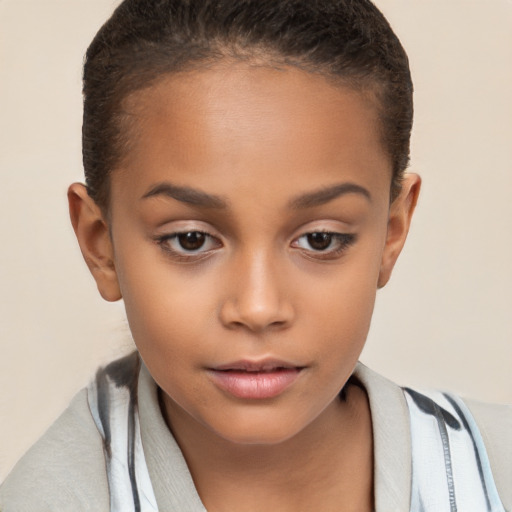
329	461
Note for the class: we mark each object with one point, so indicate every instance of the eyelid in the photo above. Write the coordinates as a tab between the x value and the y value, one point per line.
345	240
163	241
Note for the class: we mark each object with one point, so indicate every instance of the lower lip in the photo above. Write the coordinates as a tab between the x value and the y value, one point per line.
255	385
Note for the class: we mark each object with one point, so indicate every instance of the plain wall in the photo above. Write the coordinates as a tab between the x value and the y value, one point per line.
444	321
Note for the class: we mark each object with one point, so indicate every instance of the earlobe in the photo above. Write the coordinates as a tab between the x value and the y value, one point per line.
400	216
93	236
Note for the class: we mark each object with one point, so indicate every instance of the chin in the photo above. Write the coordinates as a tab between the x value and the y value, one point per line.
264	432
256	438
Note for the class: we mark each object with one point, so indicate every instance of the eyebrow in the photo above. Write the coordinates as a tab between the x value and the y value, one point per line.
186	195
326	194
202	199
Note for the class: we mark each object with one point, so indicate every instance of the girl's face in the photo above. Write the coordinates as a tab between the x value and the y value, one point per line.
250	229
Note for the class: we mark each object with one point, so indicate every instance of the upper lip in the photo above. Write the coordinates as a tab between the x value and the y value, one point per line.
264	365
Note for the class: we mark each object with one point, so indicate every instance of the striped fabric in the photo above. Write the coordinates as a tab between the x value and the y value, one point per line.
113	402
450	467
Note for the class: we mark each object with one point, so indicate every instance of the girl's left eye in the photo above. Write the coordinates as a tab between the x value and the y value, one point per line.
188	243
324	243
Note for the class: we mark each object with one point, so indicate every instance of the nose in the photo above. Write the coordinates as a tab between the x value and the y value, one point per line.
256	295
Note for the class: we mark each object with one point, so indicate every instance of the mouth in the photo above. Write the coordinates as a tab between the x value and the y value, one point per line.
253	380
265	366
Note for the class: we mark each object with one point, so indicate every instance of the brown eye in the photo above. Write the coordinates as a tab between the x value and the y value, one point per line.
324	245
188	245
319	241
192	240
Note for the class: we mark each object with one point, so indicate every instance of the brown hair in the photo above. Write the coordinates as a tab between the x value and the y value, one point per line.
349	41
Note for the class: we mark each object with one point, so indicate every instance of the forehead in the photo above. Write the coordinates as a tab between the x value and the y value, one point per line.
251	124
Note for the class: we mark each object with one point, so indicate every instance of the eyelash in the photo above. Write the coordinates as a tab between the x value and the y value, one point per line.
165	241
343	242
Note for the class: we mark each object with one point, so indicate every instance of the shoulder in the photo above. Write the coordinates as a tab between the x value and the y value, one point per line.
64	470
495	425
393	454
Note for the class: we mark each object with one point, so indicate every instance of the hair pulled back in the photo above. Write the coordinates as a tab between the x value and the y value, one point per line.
349	41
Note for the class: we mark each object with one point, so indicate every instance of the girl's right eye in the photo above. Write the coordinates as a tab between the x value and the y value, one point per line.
188	245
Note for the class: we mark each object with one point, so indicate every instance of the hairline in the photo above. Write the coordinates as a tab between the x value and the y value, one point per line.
368	86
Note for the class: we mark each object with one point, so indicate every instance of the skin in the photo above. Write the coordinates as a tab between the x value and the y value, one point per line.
273	147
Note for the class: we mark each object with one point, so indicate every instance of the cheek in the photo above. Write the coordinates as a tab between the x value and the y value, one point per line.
339	306
162	310
349	288
163	303
168	320
344	315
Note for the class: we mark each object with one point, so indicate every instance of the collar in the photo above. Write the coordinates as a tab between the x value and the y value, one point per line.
391	440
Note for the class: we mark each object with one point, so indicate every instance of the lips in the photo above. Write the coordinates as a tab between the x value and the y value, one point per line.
255	380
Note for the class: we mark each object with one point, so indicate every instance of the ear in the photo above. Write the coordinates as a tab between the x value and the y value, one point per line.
400	215
93	236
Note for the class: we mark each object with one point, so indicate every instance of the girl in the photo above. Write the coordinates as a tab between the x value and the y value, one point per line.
246	196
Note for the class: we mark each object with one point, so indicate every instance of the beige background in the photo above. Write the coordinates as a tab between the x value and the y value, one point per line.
444	321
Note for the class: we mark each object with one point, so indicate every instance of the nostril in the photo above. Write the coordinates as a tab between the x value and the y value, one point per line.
237	315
